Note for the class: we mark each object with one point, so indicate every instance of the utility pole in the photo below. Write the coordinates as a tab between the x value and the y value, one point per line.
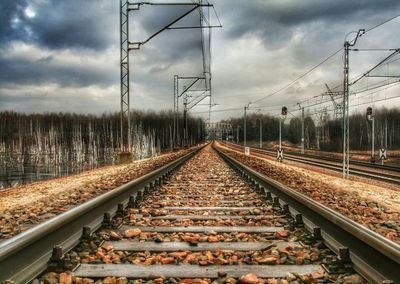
302	128
198	131
280	134
244	126
260	133
346	117
176	110
185	130
386	133
373	140
386	136
189	104
345	122
125	116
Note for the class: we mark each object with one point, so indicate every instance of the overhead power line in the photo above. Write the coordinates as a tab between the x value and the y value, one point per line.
380	24
298	78
308	72
322	62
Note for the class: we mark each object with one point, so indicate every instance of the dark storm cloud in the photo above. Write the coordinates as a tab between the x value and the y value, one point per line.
60	24
172	47
262	45
9	11
82	24
274	21
40	72
89	25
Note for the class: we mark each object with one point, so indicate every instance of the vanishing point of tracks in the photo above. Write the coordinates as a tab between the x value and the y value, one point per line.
198	221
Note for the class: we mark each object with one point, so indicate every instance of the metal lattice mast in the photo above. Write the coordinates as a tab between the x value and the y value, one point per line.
345	106
345	112
337	107
124	63
126	46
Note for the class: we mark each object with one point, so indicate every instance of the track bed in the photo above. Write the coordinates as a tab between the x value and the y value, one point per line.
204	224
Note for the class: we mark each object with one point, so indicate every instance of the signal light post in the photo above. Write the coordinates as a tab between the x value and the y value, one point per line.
244	124
260	132
371	117
281	119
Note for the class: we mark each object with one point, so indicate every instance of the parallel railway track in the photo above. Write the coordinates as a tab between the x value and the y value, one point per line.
199	217
383	173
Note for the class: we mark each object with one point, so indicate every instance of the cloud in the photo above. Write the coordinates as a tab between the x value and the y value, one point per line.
28	64
64	55
60	24
54	98
11	15
276	21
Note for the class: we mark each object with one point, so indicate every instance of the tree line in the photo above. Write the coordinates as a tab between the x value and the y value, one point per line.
324	132
88	138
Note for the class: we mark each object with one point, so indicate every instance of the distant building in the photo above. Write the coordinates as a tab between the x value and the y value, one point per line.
219	131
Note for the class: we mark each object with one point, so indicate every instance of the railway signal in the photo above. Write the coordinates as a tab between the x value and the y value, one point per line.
371	118
282	118
284	111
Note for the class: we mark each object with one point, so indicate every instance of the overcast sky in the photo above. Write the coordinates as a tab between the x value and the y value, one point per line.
64	55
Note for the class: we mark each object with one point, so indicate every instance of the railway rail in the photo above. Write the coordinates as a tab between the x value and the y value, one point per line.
200	217
383	173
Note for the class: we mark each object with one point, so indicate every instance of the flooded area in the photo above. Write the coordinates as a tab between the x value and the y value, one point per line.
20	169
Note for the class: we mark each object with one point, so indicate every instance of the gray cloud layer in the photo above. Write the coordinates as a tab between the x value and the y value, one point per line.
60	24
73	46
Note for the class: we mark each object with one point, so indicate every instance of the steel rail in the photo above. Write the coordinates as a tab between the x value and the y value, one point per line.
352	162
373	256
332	159
359	172
26	255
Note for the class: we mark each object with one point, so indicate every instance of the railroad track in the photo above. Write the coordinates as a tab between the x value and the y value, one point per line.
200	218
376	165
322	162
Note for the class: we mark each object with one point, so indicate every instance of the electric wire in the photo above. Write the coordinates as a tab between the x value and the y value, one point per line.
298	78
322	62
308	72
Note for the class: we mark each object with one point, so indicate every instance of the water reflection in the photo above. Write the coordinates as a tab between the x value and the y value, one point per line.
16	169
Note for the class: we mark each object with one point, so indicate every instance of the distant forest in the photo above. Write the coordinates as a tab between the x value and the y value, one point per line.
79	137
325	133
